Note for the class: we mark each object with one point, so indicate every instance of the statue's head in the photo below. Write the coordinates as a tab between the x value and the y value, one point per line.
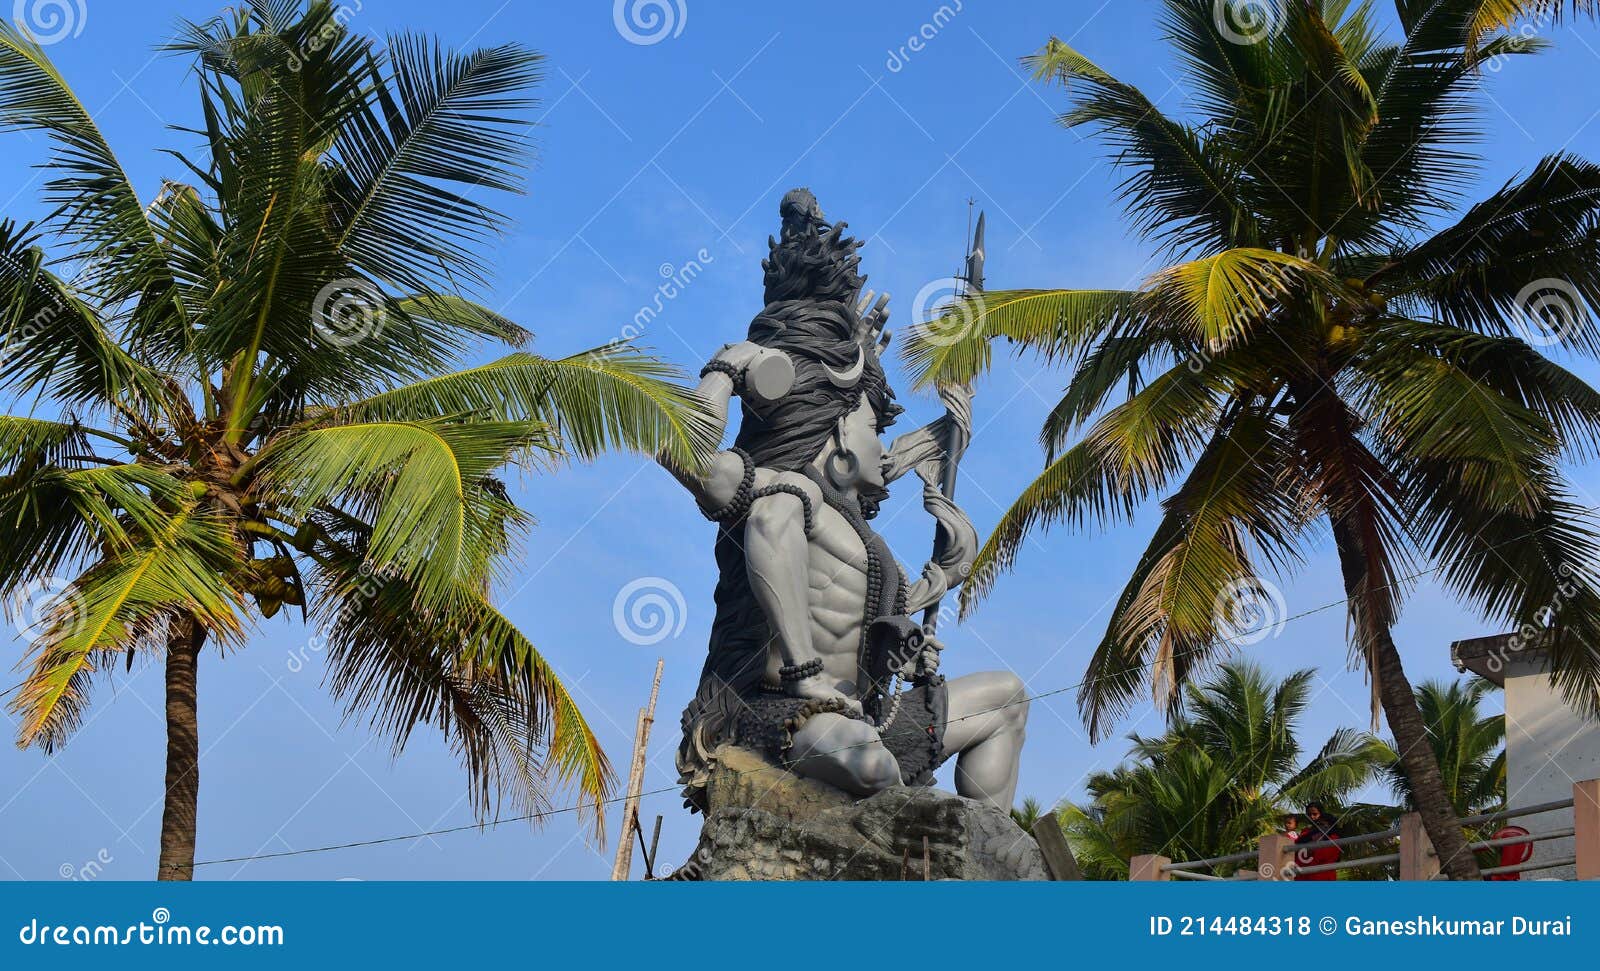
811	259
853	459
841	401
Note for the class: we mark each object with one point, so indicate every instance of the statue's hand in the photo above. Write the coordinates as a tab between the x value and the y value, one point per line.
926	661
873	310
820	688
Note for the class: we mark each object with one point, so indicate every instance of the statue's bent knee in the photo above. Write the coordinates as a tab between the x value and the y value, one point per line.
1017	700
876	769
862	772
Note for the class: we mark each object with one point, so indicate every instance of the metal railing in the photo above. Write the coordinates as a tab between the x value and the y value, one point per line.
1412	853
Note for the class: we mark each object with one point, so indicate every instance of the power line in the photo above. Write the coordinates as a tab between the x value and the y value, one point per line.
1236	640
425	834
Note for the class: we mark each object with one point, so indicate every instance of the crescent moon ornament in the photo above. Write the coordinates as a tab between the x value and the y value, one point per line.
848	379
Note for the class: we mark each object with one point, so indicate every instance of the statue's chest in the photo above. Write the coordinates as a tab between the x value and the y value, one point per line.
839	554
835	543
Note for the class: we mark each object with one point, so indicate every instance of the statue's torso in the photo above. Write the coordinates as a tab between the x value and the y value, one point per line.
836	579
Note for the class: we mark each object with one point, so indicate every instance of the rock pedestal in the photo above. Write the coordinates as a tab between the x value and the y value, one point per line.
767	824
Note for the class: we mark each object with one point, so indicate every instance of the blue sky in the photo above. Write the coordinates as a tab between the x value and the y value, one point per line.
651	154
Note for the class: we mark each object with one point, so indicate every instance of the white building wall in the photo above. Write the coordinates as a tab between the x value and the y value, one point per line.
1549	746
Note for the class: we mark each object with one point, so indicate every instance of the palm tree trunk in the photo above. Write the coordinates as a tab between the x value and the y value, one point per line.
1410	734
1421	767
184	640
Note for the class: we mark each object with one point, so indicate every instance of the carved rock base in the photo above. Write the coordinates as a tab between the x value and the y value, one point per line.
767	824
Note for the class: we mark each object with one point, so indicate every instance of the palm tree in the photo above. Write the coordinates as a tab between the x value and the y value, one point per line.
1028	813
1315	363
1468	745
1224	774
1491	16
246	394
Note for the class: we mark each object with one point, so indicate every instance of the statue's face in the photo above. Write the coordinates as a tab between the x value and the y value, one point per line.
861	439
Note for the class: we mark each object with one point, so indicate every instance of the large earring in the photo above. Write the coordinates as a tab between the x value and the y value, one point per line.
848	475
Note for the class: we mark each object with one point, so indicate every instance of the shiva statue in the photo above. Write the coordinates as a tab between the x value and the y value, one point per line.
815	661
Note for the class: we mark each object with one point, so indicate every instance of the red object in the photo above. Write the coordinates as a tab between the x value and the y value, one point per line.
1514	854
1324	854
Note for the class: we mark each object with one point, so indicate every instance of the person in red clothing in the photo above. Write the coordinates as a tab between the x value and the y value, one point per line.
1320	828
1511	855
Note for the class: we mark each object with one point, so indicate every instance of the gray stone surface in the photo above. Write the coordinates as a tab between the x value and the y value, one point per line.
767	824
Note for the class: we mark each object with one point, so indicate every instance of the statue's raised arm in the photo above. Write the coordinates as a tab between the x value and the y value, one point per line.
815	661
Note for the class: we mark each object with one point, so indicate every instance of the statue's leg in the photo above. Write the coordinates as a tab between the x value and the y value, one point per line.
987	723
843	752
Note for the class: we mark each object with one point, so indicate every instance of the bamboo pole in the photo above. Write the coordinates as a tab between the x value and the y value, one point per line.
630	807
